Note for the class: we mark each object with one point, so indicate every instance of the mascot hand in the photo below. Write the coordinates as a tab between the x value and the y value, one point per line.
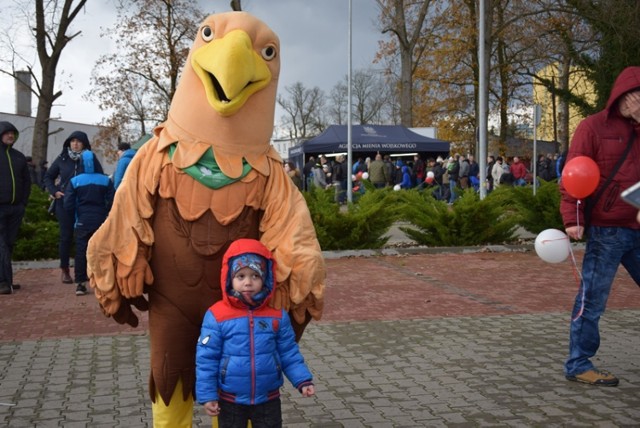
280	298
109	300
125	314
131	280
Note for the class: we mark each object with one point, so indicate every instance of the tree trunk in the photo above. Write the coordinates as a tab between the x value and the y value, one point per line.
563	105
406	89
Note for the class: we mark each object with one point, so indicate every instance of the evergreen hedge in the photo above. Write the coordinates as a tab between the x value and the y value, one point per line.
38	236
470	221
364	223
539	212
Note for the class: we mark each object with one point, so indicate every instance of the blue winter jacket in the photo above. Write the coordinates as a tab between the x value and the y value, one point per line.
121	168
89	195
406	178
242	352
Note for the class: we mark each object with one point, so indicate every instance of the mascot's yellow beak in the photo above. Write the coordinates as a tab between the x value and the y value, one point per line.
231	71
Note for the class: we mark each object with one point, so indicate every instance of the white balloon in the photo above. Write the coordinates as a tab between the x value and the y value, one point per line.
430	174
353	177
396	187
552	246
365	175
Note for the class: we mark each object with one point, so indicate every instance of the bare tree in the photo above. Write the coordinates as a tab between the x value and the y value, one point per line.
304	108
136	83
406	20
50	33
337	109
372	99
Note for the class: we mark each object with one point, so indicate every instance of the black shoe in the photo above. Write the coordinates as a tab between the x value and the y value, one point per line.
15	286
81	290
5	288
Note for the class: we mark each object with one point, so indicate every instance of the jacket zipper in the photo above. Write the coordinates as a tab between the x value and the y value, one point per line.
275	359
253	358
13	178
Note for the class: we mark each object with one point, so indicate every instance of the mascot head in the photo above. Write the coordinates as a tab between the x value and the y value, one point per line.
226	97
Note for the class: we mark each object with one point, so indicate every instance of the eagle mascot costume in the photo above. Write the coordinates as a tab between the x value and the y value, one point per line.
207	177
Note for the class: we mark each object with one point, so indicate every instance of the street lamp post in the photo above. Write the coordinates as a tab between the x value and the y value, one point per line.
349	148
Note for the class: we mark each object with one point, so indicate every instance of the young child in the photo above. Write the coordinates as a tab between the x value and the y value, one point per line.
88	198
245	345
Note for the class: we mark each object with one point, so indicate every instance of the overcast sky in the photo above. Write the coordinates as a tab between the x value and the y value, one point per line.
313	36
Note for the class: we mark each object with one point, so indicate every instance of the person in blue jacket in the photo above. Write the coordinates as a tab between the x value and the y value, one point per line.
245	345
88	198
66	166
126	153
406	182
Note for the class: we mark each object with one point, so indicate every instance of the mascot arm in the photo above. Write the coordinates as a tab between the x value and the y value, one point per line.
287	230
118	253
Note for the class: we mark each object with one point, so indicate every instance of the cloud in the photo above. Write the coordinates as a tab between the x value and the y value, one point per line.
313	35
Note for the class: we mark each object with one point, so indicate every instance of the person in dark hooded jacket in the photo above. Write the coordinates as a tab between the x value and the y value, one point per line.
15	188
613	232
66	166
88	197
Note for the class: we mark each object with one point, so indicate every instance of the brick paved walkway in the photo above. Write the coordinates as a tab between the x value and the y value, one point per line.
466	339
358	288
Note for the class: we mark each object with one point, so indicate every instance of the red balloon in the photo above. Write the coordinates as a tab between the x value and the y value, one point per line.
359	176
580	176
428	180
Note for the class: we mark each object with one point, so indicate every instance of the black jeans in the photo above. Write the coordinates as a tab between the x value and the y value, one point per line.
66	220
265	415
80	261
10	220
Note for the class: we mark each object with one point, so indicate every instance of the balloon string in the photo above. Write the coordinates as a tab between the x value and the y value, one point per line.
576	272
554	239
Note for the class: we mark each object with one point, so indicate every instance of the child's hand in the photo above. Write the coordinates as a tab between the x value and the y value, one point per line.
212	408
308	391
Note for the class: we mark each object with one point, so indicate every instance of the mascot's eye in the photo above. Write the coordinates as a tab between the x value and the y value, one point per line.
269	53
207	33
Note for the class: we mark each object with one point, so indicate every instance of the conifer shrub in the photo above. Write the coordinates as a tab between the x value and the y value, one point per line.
470	221
363	224
539	212
38	236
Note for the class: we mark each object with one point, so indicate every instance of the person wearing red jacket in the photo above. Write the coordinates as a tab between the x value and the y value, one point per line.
613	233
519	172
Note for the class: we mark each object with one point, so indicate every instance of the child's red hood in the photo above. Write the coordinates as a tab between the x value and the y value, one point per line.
243	246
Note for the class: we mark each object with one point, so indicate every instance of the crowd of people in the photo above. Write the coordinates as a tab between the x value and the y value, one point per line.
81	196
447	176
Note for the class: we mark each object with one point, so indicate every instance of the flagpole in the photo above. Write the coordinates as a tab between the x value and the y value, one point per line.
349	154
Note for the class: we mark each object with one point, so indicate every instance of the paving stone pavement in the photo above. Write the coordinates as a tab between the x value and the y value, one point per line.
408	339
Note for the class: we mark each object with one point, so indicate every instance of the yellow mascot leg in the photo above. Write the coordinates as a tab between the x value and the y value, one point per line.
178	414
